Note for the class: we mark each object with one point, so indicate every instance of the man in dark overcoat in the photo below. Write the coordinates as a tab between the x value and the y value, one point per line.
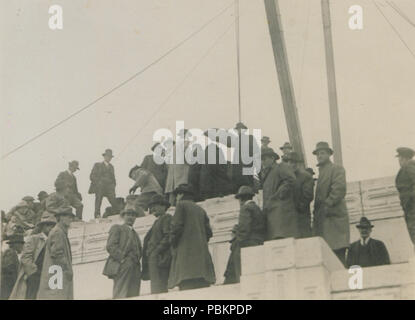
367	252
405	183
250	231
103	182
331	220
125	252
192	265
10	264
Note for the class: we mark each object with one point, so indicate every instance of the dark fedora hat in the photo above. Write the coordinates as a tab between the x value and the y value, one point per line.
129	209
364	223
15	238
64	211
266	152
159	199
47	218
405	152
244	191
74	164
183	188
310	171
265	139
108	152
286	145
293	156
322	145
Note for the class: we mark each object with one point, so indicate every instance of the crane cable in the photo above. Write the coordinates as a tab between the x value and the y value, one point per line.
238	64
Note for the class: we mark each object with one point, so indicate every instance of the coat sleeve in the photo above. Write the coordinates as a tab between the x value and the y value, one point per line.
164	243
113	243
28	256
61	179
244	224
383	254
177	224
208	229
308	189
57	243
94	176
338	187
287	177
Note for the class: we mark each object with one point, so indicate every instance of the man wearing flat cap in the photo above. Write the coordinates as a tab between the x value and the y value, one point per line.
405	184
303	193
125	251
31	261
103	182
157	253
250	231
40	206
331	219
278	197
10	264
58	258
367	252
159	171
73	196
192	265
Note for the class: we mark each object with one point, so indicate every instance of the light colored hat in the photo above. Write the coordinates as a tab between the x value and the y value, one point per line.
47	218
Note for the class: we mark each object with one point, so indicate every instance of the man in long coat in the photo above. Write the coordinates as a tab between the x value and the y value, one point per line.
303	194
250	231
278	195
159	171
31	261
125	251
192	265
73	196
103	182
157	245
58	260
10	265
331	220
367	252
405	183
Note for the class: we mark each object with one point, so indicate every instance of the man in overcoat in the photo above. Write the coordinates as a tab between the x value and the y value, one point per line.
125	252
31	261
10	264
250	231
157	251
367	252
57	261
278	197
303	194
405	184
331	220
192	265
103	182
159	171
72	194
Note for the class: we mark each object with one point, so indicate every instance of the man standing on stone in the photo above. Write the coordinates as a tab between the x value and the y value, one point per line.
159	171
103	182
58	258
28	280
157	245
405	183
192	265
303	194
331	220
73	196
10	264
125	251
278	197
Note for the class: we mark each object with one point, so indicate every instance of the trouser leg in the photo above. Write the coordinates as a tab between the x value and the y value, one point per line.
410	223
158	276
127	282
77	204
98	202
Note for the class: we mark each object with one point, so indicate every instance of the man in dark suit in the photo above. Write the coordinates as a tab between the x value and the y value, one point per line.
103	182
72	194
157	245
367	252
125	251
10	265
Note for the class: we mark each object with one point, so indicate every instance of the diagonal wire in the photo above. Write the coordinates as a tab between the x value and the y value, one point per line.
180	84
135	75
395	7
395	30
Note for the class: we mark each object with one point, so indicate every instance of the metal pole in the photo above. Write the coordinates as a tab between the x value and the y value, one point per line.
284	76
331	83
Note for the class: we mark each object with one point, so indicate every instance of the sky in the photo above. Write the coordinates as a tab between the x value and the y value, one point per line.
46	75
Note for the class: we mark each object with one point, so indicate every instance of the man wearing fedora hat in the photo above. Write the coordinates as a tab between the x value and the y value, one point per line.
103	182
278	197
28	279
125	251
286	148
159	171
72	194
191	265
405	184
265	141
331	219
250	231
157	253
10	264
367	252
58	254
303	193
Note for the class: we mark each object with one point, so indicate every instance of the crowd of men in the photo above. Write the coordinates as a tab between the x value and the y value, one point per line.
175	251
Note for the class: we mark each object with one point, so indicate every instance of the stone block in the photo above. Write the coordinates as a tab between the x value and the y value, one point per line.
313	283
393	293
281	284
252	286
279	254
253	260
